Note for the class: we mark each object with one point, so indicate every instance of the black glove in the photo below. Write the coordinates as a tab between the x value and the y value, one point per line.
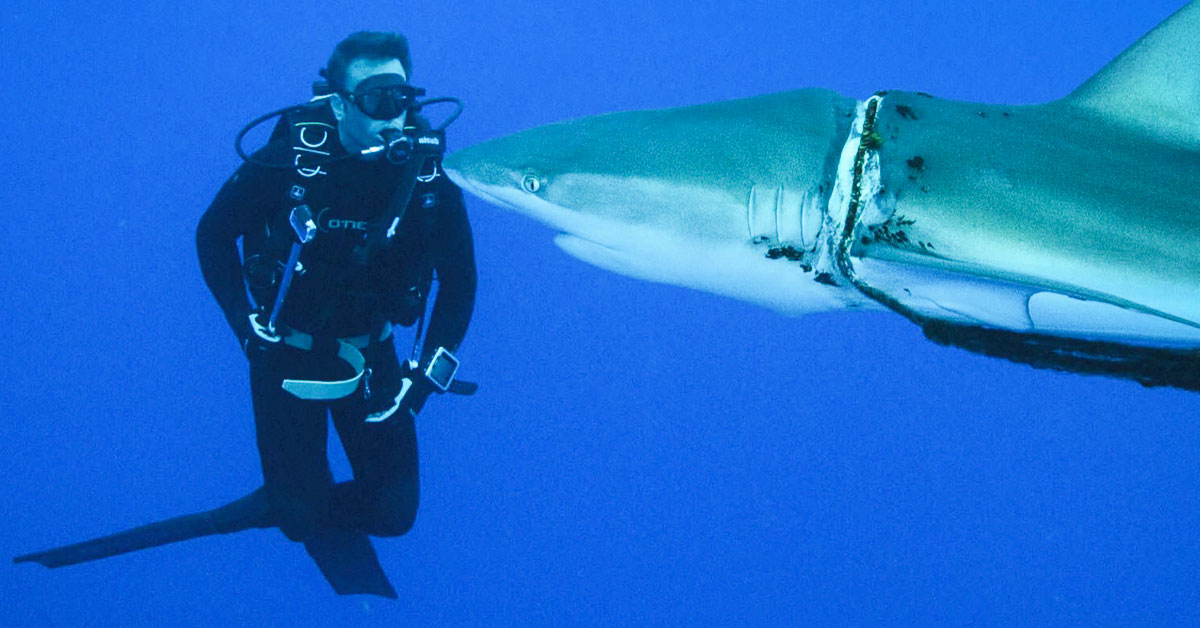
412	390
418	391
254	344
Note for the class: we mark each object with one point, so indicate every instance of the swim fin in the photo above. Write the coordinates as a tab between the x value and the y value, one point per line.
345	557
349	563
251	511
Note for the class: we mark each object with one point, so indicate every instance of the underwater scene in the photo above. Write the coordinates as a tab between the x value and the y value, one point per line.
705	397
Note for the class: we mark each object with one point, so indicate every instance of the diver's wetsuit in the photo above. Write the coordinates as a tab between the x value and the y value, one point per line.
342	293
338	296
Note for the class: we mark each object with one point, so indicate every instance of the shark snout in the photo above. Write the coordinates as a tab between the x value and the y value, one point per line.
453	166
469	173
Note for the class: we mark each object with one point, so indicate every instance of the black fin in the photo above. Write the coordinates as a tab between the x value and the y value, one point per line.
250	511
349	563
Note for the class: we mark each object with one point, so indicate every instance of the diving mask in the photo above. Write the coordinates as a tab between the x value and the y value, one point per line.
384	96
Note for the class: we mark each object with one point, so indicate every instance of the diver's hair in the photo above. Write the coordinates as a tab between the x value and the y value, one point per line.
366	45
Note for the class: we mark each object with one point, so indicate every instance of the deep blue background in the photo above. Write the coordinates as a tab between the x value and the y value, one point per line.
639	454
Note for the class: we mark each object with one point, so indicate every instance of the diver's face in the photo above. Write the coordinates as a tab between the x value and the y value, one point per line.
356	130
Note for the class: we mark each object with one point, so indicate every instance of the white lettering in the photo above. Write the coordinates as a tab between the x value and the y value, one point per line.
307	172
336	223
304	130
313	136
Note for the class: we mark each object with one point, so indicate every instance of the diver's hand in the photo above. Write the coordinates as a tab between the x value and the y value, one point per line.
419	388
414	391
255	339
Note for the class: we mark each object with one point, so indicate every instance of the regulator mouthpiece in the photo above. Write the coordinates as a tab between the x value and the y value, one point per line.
398	147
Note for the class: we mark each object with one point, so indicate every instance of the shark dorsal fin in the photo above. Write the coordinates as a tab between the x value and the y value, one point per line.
1154	85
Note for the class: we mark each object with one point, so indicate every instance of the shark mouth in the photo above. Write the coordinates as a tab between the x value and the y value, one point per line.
566	239
575	230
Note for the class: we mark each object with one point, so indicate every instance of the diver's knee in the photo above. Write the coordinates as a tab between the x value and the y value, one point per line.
396	518
397	527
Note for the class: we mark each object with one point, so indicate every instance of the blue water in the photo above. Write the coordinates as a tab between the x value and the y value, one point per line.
638	454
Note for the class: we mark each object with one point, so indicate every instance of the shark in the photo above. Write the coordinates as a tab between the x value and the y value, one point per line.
1063	235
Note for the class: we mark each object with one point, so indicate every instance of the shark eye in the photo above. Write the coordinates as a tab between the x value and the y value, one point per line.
531	184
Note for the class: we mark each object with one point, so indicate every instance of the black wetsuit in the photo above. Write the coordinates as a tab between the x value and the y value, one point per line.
339	295
347	290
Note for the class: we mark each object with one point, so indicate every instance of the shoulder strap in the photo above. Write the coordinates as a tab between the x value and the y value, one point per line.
385	229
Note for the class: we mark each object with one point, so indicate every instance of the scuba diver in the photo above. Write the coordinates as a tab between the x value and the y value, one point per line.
345	220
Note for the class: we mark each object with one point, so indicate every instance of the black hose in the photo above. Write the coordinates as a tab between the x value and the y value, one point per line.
458	109
237	143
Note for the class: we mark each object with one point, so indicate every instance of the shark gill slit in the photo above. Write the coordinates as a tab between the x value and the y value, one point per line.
778	202
750	214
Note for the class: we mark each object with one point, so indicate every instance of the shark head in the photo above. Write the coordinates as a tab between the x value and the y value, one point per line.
686	196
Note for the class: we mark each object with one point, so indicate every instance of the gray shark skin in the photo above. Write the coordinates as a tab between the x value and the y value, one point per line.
1063	235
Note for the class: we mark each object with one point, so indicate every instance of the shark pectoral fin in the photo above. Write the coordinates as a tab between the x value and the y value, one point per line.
1061	314
1154	84
998	299
348	561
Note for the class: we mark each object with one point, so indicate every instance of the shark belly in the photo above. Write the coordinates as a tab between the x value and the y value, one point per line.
1040	219
735	269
